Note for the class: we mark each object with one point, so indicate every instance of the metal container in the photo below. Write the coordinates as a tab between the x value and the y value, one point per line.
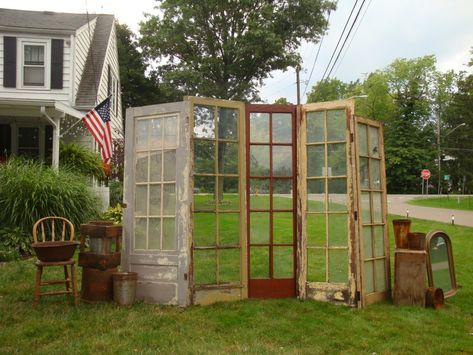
97	285
124	287
434	298
102	246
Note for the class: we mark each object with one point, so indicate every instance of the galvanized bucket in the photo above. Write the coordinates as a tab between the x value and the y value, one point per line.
124	287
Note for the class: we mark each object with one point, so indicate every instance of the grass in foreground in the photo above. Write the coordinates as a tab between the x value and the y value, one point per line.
452	202
254	326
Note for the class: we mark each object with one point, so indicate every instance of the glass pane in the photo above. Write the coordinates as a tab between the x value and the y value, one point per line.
141	200
283	262
337	195
336	125
229	265
141	134
259	228
204	229
204	156
316	195
282	194
379	270
140	233
362	139
365	207
169	199
315	160
170	132
34	55
227	123
259	160
337	159
338	230
155	200
364	173
338	266
33	76
259	127
227	158
204	193
205	267
259	262
229	228
259	194
316	230
283	228
315	127
375	175
438	250
378	241
316	265
377	209
28	137
169	234
154	233
374	142
367	243
155	166
230	200
156	133
369	275
204	123
169	173
282	161
141	174
282	127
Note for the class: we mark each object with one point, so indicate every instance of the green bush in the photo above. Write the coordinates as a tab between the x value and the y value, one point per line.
116	192
30	191
114	214
14	242
81	160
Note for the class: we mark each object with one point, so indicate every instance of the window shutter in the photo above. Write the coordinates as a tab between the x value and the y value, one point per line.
57	62
9	62
109	80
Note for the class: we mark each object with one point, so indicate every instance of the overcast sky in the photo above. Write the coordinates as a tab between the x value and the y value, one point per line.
388	30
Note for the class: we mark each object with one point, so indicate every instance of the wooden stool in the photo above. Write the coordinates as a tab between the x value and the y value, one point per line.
48	228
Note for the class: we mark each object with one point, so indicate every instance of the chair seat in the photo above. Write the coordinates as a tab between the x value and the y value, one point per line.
55	263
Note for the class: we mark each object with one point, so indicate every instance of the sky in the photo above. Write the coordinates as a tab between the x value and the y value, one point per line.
388	30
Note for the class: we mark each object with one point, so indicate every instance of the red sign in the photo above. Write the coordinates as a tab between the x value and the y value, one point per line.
425	174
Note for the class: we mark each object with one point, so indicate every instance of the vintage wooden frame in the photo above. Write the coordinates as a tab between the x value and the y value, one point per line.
451	266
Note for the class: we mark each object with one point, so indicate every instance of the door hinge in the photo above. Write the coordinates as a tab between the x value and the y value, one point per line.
356	215
357	296
351	137
185	276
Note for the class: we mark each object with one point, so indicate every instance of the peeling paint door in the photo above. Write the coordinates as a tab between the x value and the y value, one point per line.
271	195
157	198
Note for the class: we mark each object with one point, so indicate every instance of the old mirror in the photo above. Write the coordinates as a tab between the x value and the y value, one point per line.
440	269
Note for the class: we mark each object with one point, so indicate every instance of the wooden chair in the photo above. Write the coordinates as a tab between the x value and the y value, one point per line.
48	227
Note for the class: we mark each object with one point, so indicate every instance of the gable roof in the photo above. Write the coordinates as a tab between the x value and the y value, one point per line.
89	85
44	20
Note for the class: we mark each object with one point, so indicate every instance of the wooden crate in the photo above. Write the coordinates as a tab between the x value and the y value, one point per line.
410	277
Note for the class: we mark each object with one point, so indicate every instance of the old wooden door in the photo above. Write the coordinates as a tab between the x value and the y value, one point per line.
156	218
271	195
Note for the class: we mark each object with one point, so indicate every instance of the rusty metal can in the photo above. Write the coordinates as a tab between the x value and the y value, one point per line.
124	287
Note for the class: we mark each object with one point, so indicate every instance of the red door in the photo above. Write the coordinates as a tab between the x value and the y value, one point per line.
271	195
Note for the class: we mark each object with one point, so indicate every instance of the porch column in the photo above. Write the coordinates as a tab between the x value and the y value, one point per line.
56	130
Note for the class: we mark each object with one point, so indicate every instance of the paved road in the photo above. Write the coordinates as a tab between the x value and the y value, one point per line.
397	204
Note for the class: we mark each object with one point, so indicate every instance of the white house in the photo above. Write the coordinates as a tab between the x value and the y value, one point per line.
54	67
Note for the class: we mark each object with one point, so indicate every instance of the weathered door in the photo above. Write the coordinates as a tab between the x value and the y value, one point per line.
373	231
271	195
156	218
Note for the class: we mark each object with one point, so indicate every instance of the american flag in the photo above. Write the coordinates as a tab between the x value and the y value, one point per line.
97	121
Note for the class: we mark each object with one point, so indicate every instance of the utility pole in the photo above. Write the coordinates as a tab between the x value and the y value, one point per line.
298	83
439	157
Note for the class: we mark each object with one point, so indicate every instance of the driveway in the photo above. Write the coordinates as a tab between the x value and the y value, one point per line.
397	204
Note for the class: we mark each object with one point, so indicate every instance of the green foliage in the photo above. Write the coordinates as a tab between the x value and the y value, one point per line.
328	90
30	191
114	214
225	49
282	101
81	160
116	192
14	242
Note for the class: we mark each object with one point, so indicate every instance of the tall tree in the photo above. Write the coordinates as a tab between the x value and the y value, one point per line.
328	90
224	49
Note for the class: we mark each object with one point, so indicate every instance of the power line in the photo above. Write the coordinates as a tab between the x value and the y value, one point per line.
346	38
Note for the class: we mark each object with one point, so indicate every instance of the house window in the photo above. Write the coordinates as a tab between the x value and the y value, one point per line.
34	67
28	142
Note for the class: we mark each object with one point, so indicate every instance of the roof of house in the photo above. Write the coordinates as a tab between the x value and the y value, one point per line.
45	20
88	87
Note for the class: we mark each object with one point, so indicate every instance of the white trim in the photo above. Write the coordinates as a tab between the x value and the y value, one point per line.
60	106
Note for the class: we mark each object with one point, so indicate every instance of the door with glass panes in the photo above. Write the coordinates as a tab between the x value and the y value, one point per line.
271	197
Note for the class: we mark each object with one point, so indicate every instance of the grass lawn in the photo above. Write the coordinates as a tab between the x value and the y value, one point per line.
453	202
254	326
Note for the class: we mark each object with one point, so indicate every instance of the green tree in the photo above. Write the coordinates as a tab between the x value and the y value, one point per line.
328	90
282	101
224	49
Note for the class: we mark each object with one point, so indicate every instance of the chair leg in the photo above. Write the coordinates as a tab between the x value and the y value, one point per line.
37	284
74	284
66	278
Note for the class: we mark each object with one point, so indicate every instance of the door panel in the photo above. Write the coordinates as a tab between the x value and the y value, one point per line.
271	192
